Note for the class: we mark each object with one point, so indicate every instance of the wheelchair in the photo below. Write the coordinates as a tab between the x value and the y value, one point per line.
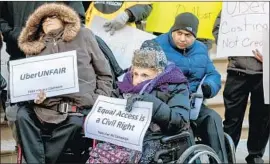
193	153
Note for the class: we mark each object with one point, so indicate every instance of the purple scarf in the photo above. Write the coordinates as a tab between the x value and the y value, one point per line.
171	75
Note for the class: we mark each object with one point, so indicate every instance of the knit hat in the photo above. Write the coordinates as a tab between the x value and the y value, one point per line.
186	21
150	55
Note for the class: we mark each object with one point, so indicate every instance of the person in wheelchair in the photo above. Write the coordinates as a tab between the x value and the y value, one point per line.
54	28
191	56
151	78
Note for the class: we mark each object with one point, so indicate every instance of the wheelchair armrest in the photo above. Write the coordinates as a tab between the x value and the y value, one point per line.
175	137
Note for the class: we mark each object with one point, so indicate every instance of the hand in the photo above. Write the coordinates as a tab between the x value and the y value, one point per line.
40	97
117	23
258	55
131	100
206	89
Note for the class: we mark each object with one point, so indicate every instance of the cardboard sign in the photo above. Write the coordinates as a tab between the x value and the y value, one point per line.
241	28
56	74
123	42
108	121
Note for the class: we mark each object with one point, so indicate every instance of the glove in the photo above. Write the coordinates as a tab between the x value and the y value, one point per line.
206	90
131	100
117	23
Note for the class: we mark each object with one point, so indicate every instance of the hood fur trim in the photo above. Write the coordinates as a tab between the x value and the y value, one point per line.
28	41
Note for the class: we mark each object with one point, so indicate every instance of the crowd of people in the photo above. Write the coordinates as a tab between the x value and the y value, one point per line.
166	71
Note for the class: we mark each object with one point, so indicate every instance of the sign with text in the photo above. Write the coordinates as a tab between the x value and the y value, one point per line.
163	15
241	28
265	53
123	42
108	121
56	74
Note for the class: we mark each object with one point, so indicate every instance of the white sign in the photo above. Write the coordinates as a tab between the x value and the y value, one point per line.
241	28
265	53
108	121
56	74
123	42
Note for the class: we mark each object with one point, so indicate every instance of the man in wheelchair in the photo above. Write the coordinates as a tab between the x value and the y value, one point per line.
54	28
151	78
191	56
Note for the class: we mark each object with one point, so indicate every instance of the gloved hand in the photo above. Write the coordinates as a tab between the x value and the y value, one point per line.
117	23
131	100
206	89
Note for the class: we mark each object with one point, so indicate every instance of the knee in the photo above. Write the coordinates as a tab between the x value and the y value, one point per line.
76	122
22	114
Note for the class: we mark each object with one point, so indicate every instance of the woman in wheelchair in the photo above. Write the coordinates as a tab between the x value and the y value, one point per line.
152	79
54	28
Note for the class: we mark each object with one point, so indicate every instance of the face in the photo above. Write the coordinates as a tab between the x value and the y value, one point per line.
51	23
141	74
182	39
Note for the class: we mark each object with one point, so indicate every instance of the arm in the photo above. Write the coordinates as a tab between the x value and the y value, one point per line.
171	116
101	67
213	79
78	7
139	12
216	27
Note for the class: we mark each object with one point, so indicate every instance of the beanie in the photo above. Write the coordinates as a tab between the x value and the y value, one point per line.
186	21
150	55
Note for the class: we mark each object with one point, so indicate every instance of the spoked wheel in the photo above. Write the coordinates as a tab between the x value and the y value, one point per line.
197	151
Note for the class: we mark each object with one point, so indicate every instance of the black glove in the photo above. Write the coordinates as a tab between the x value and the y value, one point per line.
131	100
3	82
206	89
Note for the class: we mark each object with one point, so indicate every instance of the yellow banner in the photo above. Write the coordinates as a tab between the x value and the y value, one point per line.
163	14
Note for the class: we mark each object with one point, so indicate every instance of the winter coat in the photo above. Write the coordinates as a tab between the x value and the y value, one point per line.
194	63
13	16
170	106
94	72
246	64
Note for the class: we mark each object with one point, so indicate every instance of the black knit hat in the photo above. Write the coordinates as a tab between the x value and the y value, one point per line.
186	21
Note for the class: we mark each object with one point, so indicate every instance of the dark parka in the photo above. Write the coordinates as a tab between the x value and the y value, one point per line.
13	15
94	72
248	65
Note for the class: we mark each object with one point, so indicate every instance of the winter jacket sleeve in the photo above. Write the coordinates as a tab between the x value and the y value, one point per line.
78	7
216	27
172	116
4	26
140	12
213	78
3	83
101	67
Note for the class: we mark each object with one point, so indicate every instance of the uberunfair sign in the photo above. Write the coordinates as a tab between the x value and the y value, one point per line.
43	73
56	74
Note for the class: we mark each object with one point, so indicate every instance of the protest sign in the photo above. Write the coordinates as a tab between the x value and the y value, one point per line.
123	42
241	28
163	15
108	121
265	53
56	74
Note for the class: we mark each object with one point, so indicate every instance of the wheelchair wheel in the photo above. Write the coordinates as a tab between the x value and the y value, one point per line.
230	148
196	151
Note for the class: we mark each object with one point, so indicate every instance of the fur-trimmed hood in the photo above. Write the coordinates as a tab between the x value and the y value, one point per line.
28	41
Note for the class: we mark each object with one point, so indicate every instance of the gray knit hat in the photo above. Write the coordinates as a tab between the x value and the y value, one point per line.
150	55
186	21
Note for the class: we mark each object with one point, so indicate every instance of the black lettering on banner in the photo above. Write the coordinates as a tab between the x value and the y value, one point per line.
196	10
43	73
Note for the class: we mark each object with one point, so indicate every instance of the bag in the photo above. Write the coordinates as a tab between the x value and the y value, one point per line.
110	153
